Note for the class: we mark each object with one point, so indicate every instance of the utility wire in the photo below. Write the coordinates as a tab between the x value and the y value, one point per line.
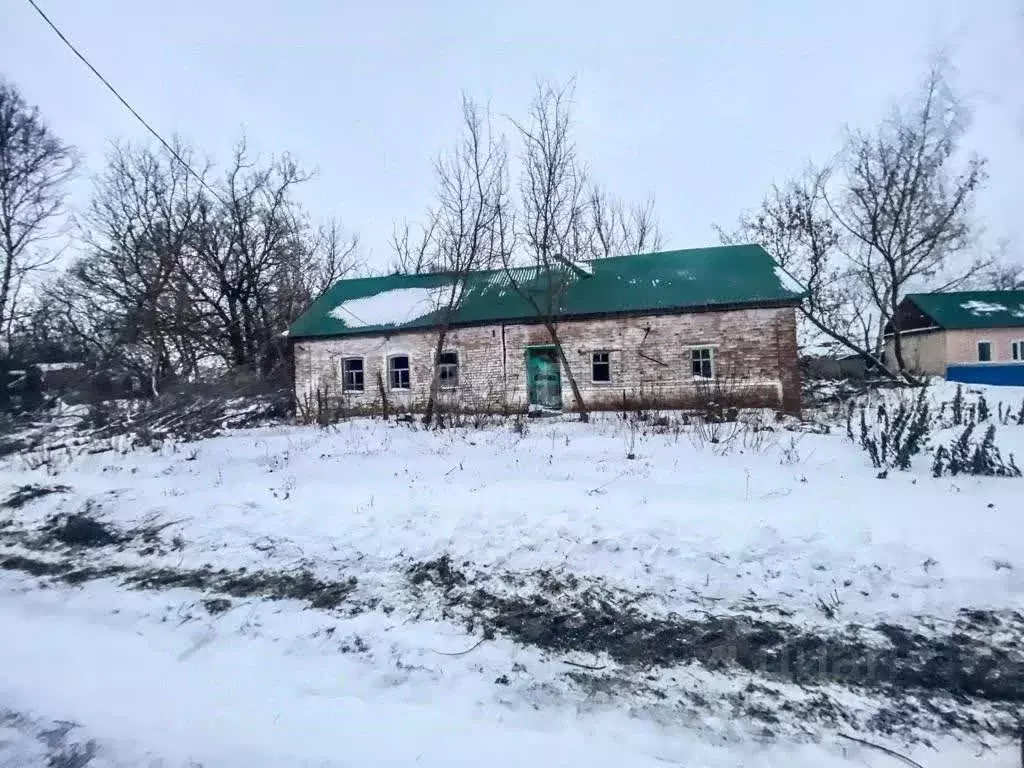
139	117
121	98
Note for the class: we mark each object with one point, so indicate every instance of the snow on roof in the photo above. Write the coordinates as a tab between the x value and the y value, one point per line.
788	281
44	367
394	307
983	307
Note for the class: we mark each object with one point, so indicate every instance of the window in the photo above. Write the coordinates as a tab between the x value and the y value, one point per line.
448	370
398	371
703	363
600	368
984	351
352	371
1017	348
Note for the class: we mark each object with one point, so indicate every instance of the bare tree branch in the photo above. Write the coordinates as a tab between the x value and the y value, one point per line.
34	169
905	205
472	187
554	229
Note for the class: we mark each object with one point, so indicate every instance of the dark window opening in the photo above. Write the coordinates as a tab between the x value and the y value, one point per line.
601	367
1018	350
984	351
703	363
448	369
352	373
398	368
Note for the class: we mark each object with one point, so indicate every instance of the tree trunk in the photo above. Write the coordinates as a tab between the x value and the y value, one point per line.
5	289
435	381
581	407
897	339
383	396
864	354
897	352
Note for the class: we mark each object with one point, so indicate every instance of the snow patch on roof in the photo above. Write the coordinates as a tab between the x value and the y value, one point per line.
983	307
787	280
394	307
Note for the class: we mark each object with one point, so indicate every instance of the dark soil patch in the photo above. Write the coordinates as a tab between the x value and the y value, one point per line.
27	493
216	605
439	572
573	615
275	585
32	566
63	570
81	529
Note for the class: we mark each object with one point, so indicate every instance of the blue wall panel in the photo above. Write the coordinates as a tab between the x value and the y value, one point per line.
1004	374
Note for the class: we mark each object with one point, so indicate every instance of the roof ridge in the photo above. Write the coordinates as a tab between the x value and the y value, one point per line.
660	281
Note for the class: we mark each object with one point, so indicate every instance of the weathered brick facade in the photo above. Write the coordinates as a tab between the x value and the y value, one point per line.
754	351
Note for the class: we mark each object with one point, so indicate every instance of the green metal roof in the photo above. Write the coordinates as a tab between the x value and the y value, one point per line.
734	275
972	309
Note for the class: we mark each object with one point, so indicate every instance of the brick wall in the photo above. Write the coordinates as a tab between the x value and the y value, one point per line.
931	351
754	350
962	346
923	351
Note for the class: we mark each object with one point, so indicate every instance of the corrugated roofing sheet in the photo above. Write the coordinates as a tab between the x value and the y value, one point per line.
972	309
672	280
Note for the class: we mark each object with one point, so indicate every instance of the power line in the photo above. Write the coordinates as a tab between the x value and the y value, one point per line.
121	98
140	118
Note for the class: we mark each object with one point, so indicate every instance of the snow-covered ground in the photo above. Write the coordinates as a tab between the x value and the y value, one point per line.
409	558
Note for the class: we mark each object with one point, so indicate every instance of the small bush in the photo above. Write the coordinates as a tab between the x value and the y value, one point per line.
964	457
958	406
893	441
983	411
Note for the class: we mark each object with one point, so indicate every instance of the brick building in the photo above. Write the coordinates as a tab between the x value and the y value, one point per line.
970	336
663	329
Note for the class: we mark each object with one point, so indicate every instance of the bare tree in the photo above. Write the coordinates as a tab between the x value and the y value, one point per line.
127	292
793	223
1003	273
616	230
35	166
472	189
178	281
413	252
553	227
905	205
256	260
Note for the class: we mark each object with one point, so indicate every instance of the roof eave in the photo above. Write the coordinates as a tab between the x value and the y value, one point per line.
533	320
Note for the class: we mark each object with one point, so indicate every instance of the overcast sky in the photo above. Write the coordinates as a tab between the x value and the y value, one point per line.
702	104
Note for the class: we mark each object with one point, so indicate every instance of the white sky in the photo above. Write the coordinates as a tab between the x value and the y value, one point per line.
702	104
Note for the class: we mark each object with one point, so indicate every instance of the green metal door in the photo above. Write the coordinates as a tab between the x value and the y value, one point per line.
543	378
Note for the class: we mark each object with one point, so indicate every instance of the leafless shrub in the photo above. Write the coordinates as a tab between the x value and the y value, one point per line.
791	452
630	438
520	425
716	409
829	605
756	436
320	407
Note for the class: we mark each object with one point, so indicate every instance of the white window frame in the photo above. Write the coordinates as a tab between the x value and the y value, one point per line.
1017	350
457	364
712	360
991	350
608	362
344	375
408	362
